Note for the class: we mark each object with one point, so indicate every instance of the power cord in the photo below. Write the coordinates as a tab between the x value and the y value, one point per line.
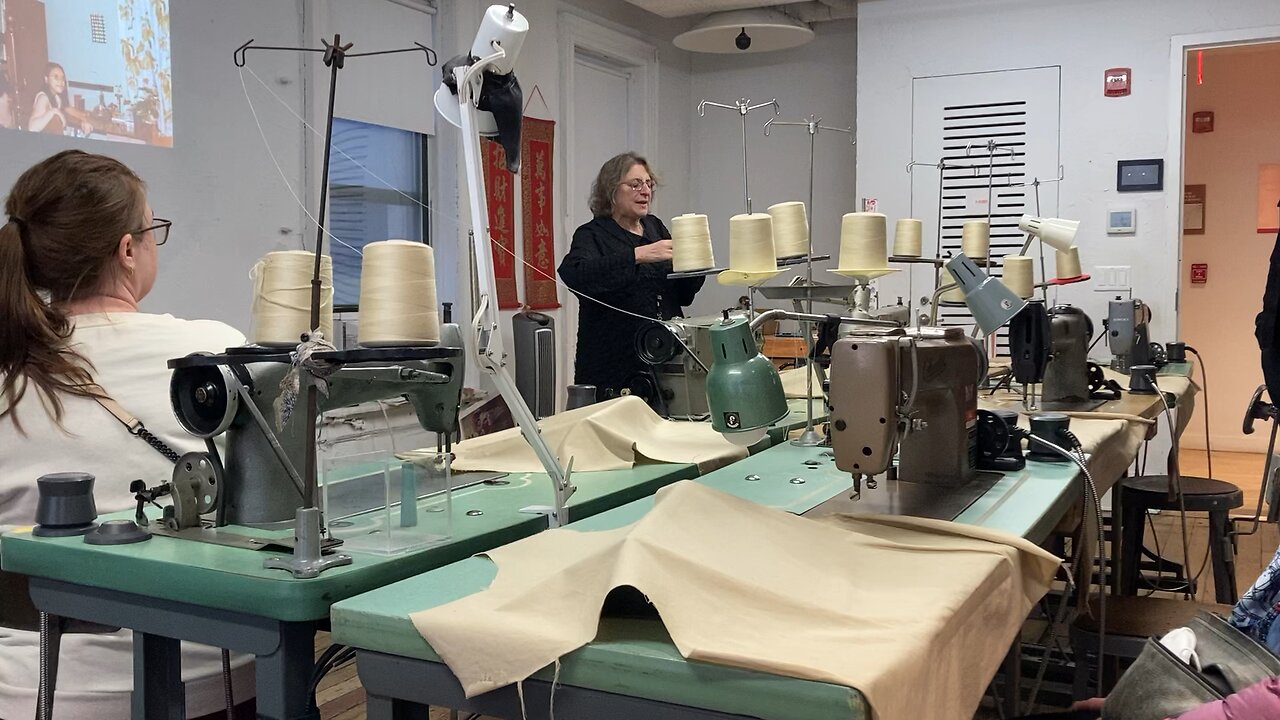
333	656
1090	498
1175	479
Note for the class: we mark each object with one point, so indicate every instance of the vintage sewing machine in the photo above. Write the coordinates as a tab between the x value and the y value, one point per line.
679	353
913	393
258	480
1127	334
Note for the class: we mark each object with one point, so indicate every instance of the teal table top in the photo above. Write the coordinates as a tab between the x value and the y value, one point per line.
635	657
231	578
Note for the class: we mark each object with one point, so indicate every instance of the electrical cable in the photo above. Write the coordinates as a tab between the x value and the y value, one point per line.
1175	479
1090	497
458	222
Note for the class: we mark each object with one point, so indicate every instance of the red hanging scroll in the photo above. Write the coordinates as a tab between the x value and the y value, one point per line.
502	212
537	155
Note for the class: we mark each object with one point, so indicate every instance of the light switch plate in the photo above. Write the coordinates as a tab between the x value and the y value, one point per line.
1111	278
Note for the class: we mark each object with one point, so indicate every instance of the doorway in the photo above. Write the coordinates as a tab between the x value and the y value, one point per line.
1232	136
609	102
1231	152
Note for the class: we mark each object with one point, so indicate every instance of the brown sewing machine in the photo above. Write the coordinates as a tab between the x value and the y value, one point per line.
915	394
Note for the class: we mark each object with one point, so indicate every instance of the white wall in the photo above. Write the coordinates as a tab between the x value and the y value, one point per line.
217	184
539	65
1217	317
813	79
898	41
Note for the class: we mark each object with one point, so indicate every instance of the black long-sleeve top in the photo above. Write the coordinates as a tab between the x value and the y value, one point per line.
601	264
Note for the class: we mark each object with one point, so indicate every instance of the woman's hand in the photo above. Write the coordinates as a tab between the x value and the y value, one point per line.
653	252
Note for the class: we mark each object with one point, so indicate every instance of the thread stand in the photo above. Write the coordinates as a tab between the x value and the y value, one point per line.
334	55
743	106
813	124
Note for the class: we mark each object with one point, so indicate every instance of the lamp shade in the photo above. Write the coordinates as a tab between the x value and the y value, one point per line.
991	303
744	31
744	391
1056	232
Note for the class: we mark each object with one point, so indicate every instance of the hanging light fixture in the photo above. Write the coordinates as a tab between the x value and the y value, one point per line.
743	31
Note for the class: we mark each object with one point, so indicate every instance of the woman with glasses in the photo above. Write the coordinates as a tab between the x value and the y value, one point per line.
78	253
622	257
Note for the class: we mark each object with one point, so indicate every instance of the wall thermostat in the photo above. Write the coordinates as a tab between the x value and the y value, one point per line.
1122	221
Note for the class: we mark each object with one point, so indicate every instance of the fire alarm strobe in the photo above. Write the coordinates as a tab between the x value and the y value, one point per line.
1117	82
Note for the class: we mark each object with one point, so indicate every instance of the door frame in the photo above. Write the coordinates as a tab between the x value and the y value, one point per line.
1178	47
637	59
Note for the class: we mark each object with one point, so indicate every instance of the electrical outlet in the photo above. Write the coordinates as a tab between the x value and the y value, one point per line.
1112	278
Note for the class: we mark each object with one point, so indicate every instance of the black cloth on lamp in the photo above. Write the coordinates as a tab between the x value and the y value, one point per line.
1267	326
601	264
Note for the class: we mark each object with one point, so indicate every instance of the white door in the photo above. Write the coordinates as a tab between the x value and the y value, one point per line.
957	119
602	128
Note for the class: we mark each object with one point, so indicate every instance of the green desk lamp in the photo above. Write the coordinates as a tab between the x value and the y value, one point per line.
744	391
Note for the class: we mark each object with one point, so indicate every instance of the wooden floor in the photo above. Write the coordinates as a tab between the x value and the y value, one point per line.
342	698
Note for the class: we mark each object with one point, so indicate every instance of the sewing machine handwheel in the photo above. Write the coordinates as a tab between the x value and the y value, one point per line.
993	434
1097	378
656	344
1159	356
204	399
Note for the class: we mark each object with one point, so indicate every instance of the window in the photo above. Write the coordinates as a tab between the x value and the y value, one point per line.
364	208
98	28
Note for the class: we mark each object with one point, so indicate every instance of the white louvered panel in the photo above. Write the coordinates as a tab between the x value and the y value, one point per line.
954	117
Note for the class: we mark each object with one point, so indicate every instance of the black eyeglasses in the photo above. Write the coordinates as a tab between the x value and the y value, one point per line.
162	230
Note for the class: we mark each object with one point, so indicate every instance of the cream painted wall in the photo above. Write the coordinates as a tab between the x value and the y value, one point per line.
817	78
1217	317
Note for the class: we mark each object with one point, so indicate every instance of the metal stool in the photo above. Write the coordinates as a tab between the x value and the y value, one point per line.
1130	621
1151	492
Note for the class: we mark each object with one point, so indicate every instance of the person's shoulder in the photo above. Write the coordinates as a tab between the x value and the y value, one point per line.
595	227
212	333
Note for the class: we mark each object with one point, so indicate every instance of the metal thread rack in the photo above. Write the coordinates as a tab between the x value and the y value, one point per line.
814	125
742	107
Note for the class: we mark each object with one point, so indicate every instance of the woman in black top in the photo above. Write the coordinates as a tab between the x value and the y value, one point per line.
622	257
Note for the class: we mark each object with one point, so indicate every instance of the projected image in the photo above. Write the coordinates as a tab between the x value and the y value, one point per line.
87	68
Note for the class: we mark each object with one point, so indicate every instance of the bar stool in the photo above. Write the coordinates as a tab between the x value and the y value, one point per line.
1151	492
1130	621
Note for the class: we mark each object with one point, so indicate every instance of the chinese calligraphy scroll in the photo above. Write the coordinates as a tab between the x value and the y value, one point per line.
501	196
537	212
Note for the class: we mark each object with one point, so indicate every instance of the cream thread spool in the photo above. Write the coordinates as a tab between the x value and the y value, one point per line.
282	297
691	243
862	241
751	243
975	239
1019	275
790	229
907	237
398	294
1068	263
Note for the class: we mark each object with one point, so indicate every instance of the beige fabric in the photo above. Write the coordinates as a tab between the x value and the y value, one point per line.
612	435
796	387
916	614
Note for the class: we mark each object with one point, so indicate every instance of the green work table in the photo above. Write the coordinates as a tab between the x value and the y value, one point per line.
167	589
632	669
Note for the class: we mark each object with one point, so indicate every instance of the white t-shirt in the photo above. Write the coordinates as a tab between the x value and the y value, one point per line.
129	352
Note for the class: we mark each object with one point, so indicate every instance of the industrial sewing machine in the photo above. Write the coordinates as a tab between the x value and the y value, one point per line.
914	393
1127	334
679	354
235	394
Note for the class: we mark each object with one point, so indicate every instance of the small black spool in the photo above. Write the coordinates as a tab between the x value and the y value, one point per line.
1050	427
65	504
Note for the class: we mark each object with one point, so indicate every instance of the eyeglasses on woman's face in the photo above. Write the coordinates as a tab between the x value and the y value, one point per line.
639	185
161	228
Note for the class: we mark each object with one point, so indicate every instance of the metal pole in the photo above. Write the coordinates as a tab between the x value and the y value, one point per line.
746	181
334	58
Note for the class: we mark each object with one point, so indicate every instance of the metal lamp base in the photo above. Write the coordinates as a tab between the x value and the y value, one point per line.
809	438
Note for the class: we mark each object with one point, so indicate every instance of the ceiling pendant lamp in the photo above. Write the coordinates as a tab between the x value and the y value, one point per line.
745	31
